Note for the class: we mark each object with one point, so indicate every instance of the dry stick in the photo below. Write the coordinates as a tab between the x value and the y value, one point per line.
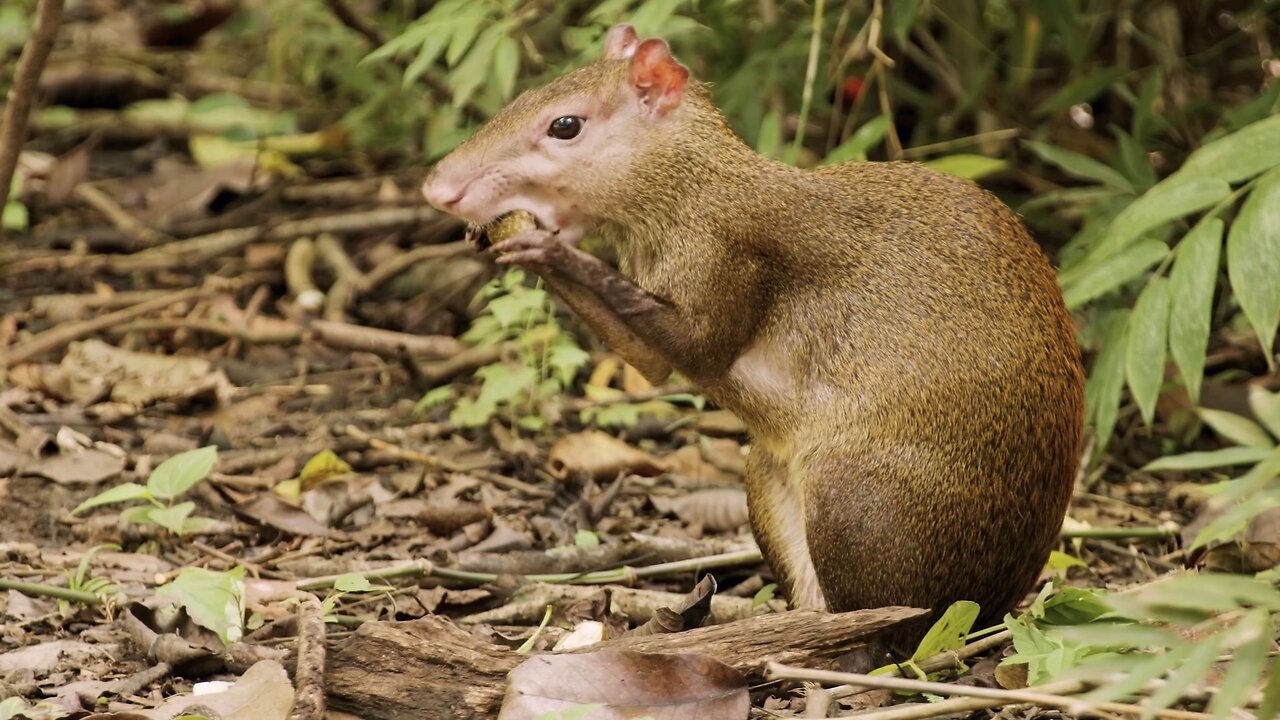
942	661
391	268
347	277
1051	696
308	676
17	111
382	342
60	335
251	311
213	327
124	222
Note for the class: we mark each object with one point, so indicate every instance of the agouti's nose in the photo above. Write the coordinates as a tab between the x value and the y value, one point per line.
443	194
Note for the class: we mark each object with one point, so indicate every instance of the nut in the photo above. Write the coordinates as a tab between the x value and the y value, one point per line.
504	227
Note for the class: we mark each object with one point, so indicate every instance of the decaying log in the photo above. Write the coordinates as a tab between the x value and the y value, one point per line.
432	668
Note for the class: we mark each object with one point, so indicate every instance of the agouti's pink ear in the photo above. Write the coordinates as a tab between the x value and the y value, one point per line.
657	77
621	42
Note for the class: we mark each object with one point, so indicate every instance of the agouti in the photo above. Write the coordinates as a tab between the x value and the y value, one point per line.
891	336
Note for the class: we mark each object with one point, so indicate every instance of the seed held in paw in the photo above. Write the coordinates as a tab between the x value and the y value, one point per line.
504	227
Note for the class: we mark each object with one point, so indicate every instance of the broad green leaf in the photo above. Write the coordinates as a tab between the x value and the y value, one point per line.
1210	459
475	68
138	514
1266	407
1226	526
172	518
1237	429
949	632
769	137
1170	199
566	360
179	473
1247	664
1080	90
1191	282
1103	277
433	397
1059	560
1252	149
1253	260
214	600
11	706
355	582
506	66
470	413
586	539
1079	166
465	27
970	167
119	493
862	140
1106	380
1144	353
1075	606
1142	670
503	383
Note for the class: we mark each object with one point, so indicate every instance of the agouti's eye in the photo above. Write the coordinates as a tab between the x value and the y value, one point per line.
565	128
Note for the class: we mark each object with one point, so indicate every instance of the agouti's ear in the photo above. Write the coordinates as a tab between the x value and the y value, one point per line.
621	42
657	77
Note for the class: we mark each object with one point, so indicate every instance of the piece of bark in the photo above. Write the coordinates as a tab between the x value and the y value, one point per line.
431	668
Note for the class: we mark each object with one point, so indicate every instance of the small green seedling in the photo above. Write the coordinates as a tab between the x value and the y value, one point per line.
80	580
349	583
170	479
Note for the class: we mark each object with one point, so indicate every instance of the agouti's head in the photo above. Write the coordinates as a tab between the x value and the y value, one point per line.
568	151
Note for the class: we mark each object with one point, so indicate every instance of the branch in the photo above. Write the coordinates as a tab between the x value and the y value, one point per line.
13	129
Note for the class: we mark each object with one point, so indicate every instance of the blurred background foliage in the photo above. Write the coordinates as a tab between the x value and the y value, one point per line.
1139	139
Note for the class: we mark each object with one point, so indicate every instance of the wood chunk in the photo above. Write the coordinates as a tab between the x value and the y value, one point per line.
432	668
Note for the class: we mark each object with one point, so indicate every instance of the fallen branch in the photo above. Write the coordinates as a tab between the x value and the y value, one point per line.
17	110
383	342
60	335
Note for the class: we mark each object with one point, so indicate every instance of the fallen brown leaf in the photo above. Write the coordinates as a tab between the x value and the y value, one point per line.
599	455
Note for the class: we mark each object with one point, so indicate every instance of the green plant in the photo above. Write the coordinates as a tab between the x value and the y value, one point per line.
1161	640
167	482
348	583
80	579
213	600
548	358
14	215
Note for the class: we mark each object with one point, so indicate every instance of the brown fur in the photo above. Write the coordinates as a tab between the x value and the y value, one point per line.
892	337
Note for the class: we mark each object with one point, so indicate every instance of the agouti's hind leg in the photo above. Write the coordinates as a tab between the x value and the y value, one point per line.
778	522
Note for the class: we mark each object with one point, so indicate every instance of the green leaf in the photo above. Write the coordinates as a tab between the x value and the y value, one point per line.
1253	260
1266	407
769	137
1237	429
119	493
1144	354
1191	282
1059	560
856	147
949	632
1192	672
474	69
566	360
1106	380
1079	166
506	66
179	473
323	466
470	413
11	706
1210	459
465	27
1247	664
902	15
355	583
433	397
138	514
1101	278
14	216
1075	606
172	518
1170	199
586	539
214	600
1080	90
503	383
1253	149
970	167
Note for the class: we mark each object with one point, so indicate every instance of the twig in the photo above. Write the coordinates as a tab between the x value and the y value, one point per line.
126	223
347	277
60	335
1050	696
949	660
1160	532
250	312
213	327
298	264
308	677
384	342
17	111
388	269
810	77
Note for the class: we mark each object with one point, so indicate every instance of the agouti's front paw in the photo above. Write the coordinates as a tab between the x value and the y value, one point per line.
531	248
